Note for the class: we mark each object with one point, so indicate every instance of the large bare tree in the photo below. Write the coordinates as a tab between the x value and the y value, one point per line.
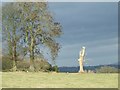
32	24
11	25
39	29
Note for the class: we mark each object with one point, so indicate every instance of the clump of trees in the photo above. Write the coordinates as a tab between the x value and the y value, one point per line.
27	27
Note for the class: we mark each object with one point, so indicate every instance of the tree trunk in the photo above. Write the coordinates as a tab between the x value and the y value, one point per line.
81	58
81	65
32	62
14	68
32	68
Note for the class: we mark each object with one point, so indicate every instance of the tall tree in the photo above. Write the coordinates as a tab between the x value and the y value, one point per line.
11	24
31	24
39	29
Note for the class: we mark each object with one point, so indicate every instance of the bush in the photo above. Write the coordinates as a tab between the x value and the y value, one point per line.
107	69
23	65
55	68
42	65
6	63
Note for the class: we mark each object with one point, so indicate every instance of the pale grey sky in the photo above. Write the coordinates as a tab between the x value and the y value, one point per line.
93	25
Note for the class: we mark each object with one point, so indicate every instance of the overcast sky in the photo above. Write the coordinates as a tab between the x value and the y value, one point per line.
93	25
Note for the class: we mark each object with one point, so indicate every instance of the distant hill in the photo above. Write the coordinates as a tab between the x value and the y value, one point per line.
76	69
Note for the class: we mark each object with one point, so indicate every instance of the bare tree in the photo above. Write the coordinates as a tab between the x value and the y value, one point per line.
31	25
11	24
39	29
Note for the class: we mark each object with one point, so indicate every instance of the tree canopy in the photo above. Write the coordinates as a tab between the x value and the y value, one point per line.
31	25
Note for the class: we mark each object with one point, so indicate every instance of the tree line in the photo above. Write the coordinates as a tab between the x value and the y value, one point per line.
26	27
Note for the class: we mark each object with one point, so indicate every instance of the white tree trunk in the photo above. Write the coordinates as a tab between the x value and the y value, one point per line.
81	58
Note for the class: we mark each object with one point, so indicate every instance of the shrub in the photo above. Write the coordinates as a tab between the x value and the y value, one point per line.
107	69
23	65
42	65
6	63
55	68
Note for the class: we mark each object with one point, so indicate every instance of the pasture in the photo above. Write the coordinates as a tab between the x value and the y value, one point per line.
58	80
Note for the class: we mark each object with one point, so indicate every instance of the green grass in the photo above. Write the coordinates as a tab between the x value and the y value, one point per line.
58	80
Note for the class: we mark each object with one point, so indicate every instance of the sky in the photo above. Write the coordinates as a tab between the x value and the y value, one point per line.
89	24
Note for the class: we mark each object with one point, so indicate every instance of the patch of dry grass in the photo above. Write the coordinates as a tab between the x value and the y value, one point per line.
58	80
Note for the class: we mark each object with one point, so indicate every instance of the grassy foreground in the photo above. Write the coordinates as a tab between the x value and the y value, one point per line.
58	80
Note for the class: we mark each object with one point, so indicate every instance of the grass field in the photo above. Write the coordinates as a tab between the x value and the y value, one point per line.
58	80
